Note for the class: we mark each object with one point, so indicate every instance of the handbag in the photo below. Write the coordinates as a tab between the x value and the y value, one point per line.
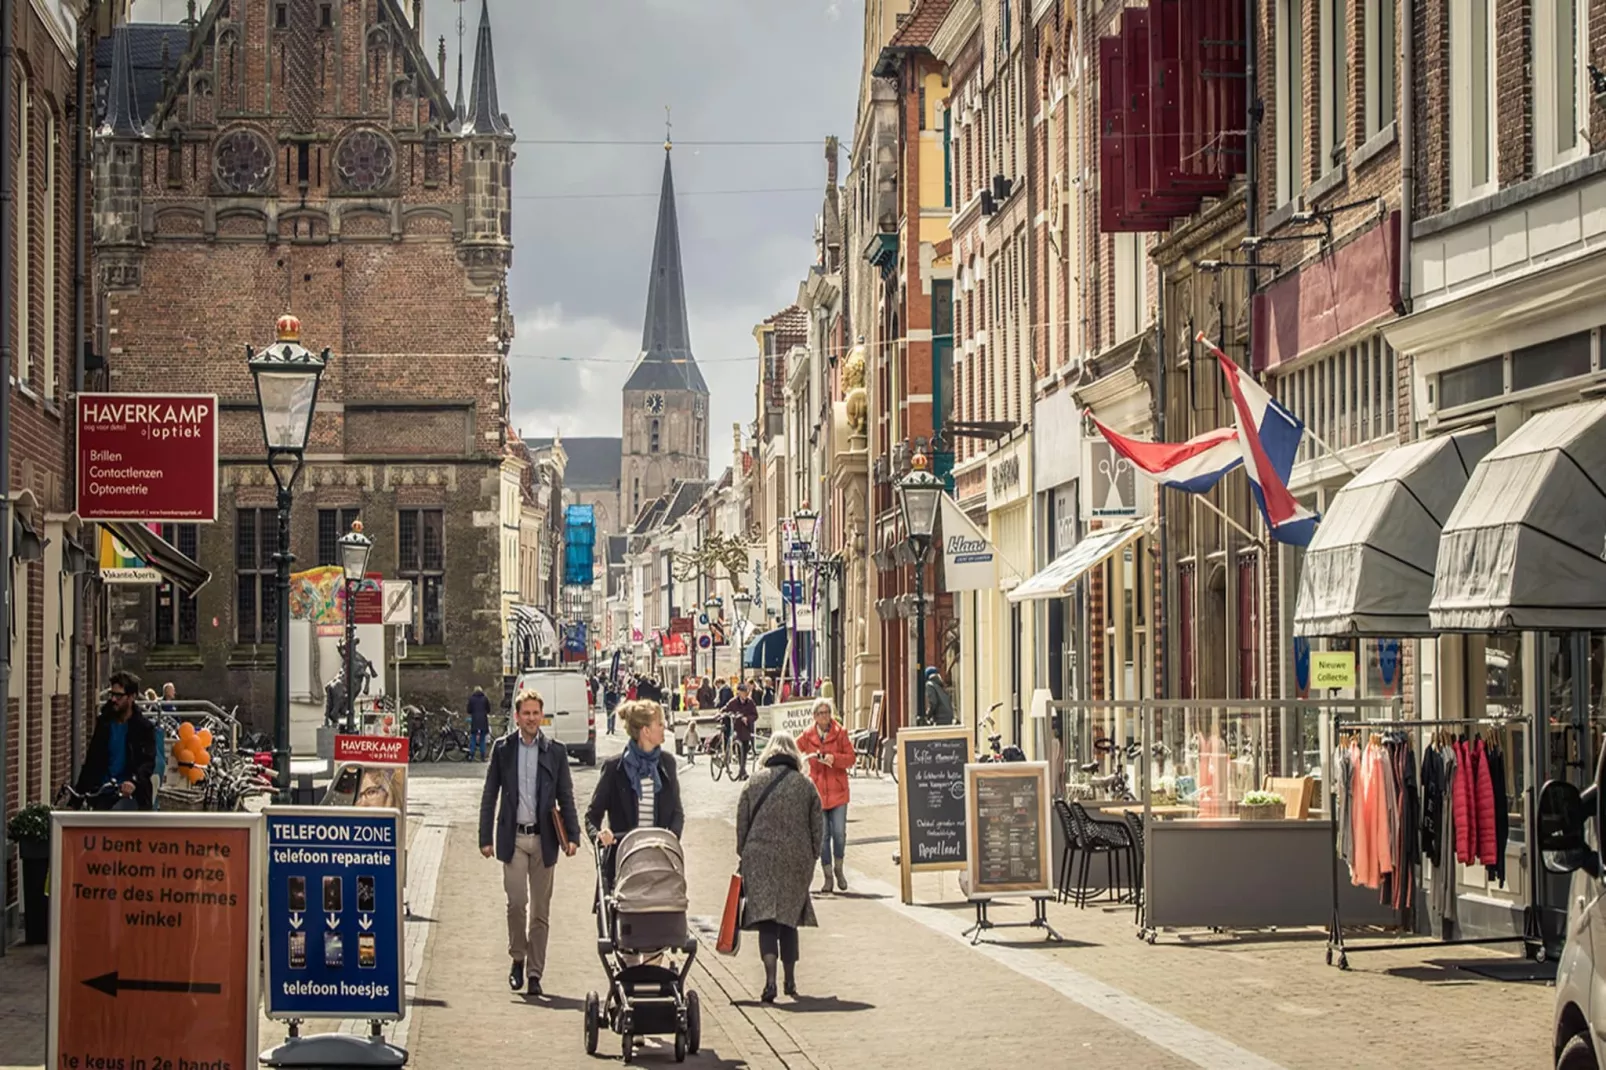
730	923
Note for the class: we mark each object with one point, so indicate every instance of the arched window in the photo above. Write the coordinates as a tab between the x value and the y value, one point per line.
652	438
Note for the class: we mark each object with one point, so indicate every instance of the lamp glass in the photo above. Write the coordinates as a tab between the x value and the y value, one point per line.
918	494
286	395
806	520
354	548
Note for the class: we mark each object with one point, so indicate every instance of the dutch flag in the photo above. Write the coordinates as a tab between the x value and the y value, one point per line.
1268	438
1193	466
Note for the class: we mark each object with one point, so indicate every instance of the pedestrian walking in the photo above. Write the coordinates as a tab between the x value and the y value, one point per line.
479	725
121	752
725	693
530	774
939	708
707	697
744	721
830	754
610	701
769	691
778	834
638	787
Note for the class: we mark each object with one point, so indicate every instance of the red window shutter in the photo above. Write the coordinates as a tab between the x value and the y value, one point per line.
1114	215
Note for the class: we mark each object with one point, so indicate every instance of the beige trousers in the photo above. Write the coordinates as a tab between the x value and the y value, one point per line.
528	884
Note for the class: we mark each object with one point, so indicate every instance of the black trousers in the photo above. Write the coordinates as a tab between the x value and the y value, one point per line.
775	938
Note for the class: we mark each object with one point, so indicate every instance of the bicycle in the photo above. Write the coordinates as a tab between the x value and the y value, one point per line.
416	722
450	740
70	798
721	751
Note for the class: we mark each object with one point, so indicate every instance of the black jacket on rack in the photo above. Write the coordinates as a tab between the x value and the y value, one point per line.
1434	790
1502	812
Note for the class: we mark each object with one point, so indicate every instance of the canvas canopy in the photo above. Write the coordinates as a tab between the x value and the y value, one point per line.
650	873
1057	576
1523	548
1369	569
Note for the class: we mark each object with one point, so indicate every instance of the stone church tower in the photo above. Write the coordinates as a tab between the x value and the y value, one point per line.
665	422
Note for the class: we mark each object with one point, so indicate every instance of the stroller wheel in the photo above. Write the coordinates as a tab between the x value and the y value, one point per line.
593	1022
627	1046
680	1047
694	1022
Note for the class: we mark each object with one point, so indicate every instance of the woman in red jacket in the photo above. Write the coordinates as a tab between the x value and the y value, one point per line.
830	753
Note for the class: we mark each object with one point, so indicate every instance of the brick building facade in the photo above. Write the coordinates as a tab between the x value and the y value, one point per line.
337	182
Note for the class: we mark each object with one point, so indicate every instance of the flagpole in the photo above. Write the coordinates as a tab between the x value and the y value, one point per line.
1331	452
1208	504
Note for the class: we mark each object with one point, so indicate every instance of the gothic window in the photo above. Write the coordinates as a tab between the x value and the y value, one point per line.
175	159
243	162
652	438
432	157
365	162
230	74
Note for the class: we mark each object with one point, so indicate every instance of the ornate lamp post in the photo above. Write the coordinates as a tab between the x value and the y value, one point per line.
354	550
918	495
744	605
712	606
287	376
804	522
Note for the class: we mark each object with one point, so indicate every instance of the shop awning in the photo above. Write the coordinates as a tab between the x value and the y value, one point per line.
160	555
1056	578
1522	549
1369	570
768	651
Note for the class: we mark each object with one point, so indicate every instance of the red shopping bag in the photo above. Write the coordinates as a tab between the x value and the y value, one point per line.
730	925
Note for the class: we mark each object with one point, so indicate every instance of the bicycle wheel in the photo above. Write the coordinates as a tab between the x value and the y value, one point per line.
456	746
716	759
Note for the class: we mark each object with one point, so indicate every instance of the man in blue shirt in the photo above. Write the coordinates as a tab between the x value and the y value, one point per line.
122	750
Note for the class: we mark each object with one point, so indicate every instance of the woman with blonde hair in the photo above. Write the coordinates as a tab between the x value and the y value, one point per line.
778	836
638	787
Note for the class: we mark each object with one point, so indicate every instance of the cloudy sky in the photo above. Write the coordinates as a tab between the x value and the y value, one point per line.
590	70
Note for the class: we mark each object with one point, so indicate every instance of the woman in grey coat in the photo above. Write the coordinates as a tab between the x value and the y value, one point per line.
779	829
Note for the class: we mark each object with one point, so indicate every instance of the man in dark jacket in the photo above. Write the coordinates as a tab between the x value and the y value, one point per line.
530	773
744	720
707	697
725	693
479	724
122	750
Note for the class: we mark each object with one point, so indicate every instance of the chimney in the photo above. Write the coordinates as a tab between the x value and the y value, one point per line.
831	154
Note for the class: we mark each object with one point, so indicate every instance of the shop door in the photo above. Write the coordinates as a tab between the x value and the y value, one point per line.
1568	743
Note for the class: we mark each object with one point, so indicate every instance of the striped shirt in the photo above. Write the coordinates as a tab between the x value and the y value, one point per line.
646	812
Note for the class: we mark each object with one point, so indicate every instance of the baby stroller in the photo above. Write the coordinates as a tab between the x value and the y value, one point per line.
641	933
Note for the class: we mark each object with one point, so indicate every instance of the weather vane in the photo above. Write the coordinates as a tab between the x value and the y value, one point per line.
669	126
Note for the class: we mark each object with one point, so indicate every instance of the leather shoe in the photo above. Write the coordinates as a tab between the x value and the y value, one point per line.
791	989
768	995
515	976
534	988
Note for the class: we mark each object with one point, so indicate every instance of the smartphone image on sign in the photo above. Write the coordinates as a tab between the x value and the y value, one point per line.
365	894
334	951
298	950
331	894
298	893
365	951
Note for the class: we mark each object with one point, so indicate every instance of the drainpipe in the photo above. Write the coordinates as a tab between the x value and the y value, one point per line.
1407	106
8	53
1162	648
80	200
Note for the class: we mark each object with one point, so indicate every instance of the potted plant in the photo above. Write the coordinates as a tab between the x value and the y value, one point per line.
1261	806
29	829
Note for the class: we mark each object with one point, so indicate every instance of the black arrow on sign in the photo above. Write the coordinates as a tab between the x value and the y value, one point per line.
111	984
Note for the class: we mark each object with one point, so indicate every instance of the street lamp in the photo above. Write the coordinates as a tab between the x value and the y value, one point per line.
711	606
918	495
354	550
804	522
286	375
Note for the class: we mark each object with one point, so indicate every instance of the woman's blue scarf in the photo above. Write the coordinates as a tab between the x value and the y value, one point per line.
641	765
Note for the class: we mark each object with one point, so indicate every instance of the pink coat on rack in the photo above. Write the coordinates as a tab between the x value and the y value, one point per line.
1370	819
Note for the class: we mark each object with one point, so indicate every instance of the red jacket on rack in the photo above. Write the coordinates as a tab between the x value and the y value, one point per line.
1483	787
1466	834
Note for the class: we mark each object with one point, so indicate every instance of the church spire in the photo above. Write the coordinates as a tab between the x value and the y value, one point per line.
666	359
484	111
122	109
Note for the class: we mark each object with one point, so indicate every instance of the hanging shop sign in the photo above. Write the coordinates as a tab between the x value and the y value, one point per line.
121	564
1113	488
148	457
154	939
1332	669
334	933
1008	475
969	562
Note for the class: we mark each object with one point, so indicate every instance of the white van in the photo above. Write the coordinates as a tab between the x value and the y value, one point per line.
1567	846
570	717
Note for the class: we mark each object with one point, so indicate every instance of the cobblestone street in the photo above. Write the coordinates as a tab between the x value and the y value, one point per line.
892	985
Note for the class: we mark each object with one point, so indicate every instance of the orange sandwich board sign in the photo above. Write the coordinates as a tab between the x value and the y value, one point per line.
154	949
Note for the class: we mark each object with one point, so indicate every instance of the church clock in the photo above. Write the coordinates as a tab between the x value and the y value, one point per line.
655	403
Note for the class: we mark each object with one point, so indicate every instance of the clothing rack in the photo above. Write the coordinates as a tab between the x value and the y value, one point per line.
1532	938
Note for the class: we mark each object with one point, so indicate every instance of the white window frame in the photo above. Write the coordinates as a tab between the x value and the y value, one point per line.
1131	282
47	351
1333	78
1464	184
23	248
1290	83
1381	63
1550	84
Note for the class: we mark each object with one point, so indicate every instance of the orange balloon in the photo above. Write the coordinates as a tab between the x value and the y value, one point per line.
183	755
186	730
192	774
203	758
205	736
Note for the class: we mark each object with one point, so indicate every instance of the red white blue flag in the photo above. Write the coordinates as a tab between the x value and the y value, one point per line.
1268	438
1194	466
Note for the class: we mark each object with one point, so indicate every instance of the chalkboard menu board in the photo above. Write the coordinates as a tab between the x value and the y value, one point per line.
931	799
1007	816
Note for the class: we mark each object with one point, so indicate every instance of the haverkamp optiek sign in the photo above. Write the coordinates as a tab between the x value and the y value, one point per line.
148	457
